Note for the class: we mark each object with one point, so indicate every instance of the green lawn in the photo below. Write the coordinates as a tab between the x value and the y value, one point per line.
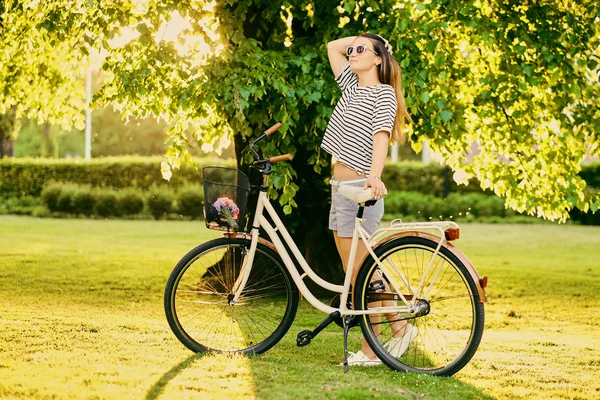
81	316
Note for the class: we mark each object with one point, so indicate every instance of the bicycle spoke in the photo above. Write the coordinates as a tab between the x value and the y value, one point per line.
201	307
447	334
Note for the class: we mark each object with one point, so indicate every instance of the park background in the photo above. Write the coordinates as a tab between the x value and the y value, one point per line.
87	245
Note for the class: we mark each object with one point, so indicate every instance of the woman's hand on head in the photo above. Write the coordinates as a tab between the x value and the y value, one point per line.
377	186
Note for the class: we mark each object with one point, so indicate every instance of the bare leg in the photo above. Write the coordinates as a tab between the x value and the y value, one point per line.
398	327
344	245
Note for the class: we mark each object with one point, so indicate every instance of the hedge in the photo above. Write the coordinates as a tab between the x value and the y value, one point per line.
26	177
160	202
68	199
455	206
22	177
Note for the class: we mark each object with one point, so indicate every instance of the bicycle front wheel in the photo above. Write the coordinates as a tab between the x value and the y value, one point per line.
199	289
445	328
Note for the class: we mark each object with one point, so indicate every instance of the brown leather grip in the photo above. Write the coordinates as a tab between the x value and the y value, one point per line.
283	157
273	129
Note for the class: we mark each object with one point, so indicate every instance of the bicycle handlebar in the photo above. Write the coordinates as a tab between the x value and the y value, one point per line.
283	157
264	166
272	129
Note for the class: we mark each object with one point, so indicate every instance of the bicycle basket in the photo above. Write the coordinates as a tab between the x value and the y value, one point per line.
225	196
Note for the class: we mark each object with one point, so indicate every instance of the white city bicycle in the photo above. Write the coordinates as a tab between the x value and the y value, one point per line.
239	293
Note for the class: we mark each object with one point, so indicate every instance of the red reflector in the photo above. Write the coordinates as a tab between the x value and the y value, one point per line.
483	282
452	233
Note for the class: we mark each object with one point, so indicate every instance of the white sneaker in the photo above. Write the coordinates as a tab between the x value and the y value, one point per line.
397	346
359	359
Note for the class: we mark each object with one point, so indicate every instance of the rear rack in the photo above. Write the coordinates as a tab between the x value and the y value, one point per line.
447	230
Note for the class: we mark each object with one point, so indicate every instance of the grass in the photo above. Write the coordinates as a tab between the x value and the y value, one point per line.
81	316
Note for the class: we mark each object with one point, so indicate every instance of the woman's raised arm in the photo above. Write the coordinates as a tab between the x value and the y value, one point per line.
336	51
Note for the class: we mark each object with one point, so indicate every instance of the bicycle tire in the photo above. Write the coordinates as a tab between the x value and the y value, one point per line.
197	299
448	335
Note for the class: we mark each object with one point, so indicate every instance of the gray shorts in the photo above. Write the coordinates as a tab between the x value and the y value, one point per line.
343	211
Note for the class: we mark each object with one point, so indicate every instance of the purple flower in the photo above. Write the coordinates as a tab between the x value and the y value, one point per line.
226	202
228	211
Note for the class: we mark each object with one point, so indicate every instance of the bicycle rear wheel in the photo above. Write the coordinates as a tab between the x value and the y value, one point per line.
443	336
199	289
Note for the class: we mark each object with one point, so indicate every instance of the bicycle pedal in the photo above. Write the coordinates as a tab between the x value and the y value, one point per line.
376	286
304	338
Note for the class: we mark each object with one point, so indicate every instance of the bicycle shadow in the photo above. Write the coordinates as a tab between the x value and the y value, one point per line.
290	364
156	389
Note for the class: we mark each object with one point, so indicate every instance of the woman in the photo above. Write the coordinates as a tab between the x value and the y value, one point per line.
370	114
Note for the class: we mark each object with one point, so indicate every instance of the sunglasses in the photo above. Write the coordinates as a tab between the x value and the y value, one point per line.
359	50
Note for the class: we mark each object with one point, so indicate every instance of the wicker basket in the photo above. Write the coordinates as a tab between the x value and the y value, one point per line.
225	197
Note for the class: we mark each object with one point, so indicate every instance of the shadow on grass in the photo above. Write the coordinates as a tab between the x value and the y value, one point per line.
160	384
285	369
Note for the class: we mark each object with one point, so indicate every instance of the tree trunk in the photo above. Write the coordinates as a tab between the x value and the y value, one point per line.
46	149
7	125
2	139
308	224
10	148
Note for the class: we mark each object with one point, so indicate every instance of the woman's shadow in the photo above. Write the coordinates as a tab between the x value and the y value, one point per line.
167	377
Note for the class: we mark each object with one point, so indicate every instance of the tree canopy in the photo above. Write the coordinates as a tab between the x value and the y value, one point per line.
520	78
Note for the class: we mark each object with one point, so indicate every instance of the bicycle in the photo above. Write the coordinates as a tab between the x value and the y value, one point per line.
239	293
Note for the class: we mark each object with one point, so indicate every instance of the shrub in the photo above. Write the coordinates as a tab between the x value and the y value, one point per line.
50	195
159	202
404	203
19	205
463	204
84	201
434	208
106	203
19	177
491	206
130	202
190	201
65	199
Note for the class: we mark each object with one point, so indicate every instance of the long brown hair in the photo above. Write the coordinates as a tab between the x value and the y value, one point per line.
390	73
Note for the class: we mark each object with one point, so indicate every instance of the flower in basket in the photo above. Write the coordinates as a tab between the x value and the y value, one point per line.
227	210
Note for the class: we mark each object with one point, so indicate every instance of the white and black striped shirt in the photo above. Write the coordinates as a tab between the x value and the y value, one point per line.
357	117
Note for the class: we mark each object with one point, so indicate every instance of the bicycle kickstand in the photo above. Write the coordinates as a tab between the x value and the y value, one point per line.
347	324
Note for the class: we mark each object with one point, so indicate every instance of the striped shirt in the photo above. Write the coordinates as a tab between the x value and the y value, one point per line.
357	117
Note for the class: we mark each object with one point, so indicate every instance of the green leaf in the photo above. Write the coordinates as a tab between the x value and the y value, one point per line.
349	6
278	181
439	59
424	97
245	93
446	115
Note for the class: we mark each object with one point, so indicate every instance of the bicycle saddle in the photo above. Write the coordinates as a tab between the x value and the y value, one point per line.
356	194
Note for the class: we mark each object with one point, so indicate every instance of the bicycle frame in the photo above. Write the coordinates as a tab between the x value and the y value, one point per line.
358	233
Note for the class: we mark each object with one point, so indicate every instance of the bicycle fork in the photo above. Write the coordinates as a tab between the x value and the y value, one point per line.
242	278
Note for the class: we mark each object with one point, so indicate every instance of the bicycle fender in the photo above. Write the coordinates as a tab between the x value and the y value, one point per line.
454	250
248	236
